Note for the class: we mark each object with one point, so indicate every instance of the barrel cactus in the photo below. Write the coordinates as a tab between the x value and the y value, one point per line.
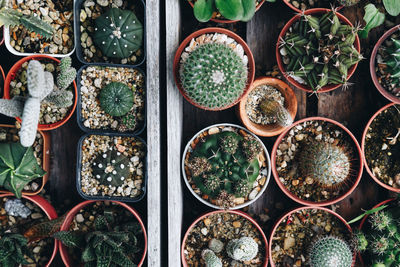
330	251
213	76
274	109
242	249
118	33
210	259
116	99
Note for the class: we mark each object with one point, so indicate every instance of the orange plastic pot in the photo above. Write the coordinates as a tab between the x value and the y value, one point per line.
237	212
186	42
45	162
48	210
281	66
70	217
299	11
290	103
306	202
11	76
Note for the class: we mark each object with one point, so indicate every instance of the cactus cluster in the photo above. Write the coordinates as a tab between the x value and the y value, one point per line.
118	33
330	251
319	50
392	62
273	108
213	76
14	250
116	99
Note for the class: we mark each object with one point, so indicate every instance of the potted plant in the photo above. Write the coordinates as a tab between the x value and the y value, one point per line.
226	167
380	145
113	227
25	231
268	107
224	238
111	167
317	161
303	5
227	68
111	99
104	19
311	236
318	50
58	102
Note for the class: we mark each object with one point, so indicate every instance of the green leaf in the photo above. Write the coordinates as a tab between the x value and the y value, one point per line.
373	18
392	7
38	26
203	10
9	17
6	155
70	238
249	8
230	9
28	166
368	212
88	254
271	1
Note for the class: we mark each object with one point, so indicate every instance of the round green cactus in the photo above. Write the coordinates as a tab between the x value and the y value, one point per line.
330	251
242	188
118	33
213	76
229	144
242	249
116	99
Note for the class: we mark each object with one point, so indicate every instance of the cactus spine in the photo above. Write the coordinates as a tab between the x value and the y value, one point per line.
274	109
242	249
330	251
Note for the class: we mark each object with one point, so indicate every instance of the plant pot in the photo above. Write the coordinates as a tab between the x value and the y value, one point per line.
372	61
77	29
191	144
222	19
357	152
70	217
281	65
269	129
299	11
234	212
2	37
106	197
80	120
376	179
45	162
186	42
3	78
11	76
274	229
47	209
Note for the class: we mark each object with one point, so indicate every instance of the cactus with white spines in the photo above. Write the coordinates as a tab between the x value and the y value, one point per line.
330	251
242	249
210	259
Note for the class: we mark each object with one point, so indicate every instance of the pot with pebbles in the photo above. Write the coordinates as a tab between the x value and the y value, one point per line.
317	161
111	99
114	228
226	64
224	238
268	107
318	50
311	236
122	20
381	147
226	167
111	167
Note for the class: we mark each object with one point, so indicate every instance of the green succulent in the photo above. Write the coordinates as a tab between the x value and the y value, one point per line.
116	99
13	250
230	9
393	62
242	249
330	251
274	109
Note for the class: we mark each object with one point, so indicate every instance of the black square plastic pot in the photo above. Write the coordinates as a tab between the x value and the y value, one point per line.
100	197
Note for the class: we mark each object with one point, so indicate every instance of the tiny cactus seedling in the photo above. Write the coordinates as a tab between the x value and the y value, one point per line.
274	109
392	62
116	99
330	251
216	245
210	259
242	249
118	33
14	250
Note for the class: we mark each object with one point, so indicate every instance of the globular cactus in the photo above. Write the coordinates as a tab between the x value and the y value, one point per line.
242	249
210	259
216	245
330	251
392	61
116	99
12	107
274	109
199	165
242	188
118	33
251	147
213	76
348	2
211	182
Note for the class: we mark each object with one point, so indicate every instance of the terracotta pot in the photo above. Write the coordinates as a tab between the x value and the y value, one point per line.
223	20
299	209
186	42
237	212
3	77
11	76
45	161
299	11
47	209
306	202
290	104
70	217
372	70
376	179
2	38
281	66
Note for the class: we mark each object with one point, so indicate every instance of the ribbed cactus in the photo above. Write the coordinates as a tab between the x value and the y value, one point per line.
12	107
274	109
116	99
14	250
210	259
242	249
213	75
118	33
393	62
330	251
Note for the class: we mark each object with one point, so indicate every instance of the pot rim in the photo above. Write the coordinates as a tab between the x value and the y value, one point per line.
299	11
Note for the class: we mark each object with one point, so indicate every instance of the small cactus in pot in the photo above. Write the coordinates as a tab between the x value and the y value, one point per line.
330	251
273	108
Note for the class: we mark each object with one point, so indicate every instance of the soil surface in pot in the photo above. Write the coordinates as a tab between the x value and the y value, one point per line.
308	4
296	233
382	146
224	227
59	14
93	79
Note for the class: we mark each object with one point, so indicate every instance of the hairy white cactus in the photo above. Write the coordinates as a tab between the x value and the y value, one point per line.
12	107
211	259
242	249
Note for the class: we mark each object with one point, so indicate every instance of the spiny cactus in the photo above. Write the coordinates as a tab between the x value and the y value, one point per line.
14	250
393	62
330	251
210	259
60	98
348	2
118	33
213	75
128	121
67	74
116	99
216	245
242	249
251	147
274	109
320	50
12	107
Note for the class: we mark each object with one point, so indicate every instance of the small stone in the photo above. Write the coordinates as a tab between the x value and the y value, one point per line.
309	180
236	224
83	15
35	186
97	82
15	207
299	137
53	15
36	215
204	231
79	218
318	137
384	146
207	221
36	250
102	2
295	182
288	242
253	194
118	3
86	123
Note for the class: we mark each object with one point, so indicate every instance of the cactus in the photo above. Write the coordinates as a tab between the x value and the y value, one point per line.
274	109
392	62
348	2
67	74
210	259
60	98
118	33
14	250
213	76
251	148
216	245
242	249
330	251
116	99
128	121
12	107
320	50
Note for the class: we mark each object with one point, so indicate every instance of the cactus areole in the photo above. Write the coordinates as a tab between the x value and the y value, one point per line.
118	33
